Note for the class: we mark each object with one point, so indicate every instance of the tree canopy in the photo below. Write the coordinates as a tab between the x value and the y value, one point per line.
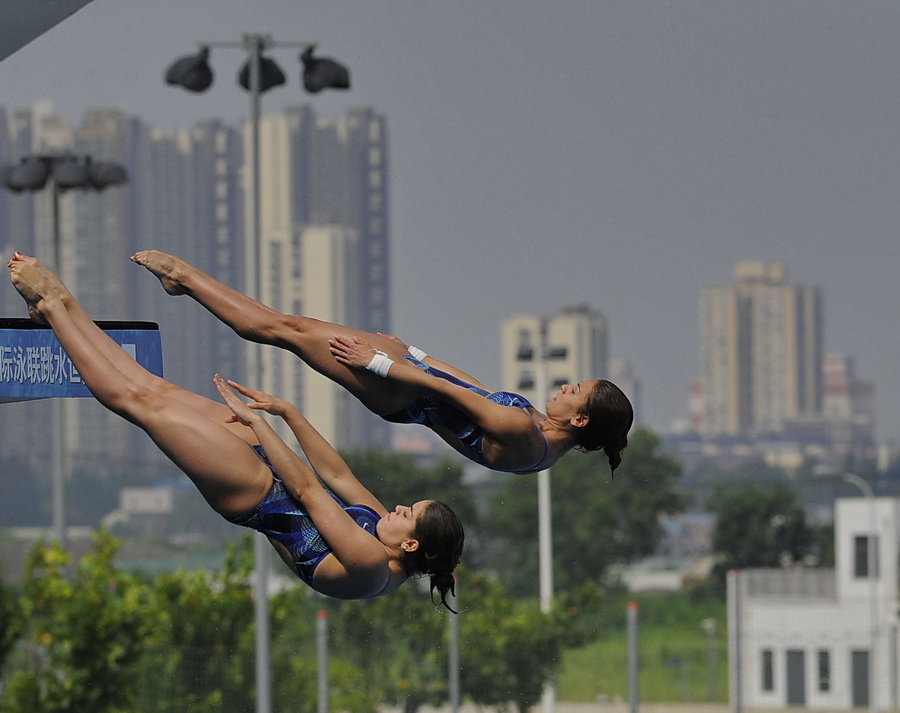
598	521
759	526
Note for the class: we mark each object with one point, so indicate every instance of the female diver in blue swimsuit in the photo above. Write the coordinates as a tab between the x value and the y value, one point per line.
330	530
499	430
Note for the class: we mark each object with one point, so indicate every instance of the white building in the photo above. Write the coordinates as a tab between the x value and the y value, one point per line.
323	251
822	639
576	349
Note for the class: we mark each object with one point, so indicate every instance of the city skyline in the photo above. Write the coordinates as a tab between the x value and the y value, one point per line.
290	153
622	155
324	239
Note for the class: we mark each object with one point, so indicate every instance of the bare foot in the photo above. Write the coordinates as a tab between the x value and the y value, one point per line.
51	281
29	283
170	270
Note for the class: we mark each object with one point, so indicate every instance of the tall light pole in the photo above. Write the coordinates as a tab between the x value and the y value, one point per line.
258	75
545	522
453	685
539	357
62	172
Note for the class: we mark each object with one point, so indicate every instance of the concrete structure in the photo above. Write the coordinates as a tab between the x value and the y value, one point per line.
324	243
762	347
328	255
822	639
21	21
186	195
576	341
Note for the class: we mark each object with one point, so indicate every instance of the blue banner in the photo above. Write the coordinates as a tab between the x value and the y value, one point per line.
33	364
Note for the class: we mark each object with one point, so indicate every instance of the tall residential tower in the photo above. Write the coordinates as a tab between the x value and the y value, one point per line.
324	251
762	351
575	339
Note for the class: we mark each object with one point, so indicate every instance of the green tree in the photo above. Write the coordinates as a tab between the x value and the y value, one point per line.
294	659
83	632
398	643
758	527
508	648
202	653
596	522
11	623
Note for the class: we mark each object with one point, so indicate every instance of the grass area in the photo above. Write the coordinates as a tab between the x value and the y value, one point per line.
674	660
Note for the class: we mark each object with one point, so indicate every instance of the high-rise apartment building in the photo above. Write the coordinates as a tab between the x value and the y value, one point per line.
575	349
762	350
324	249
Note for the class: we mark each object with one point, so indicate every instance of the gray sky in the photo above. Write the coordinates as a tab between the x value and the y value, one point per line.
624	154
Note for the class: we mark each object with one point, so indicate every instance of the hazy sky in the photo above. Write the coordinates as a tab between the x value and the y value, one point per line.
624	154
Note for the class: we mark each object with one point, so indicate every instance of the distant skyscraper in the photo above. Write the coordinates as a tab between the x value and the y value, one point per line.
762	348
92	234
576	341
324	245
327	289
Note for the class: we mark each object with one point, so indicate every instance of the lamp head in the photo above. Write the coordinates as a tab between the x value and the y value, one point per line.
322	72
270	74
30	174
103	174
191	72
71	174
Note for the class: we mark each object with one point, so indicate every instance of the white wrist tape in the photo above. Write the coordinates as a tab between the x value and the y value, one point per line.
416	353
381	363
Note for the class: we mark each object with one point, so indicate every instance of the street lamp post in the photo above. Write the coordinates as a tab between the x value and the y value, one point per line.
63	172
259	74
538	357
545	522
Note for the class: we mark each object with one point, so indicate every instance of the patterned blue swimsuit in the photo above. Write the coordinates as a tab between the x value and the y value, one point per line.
280	517
431	411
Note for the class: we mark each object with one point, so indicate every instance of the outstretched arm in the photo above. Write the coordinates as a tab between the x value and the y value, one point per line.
436	363
361	556
503	424
324	459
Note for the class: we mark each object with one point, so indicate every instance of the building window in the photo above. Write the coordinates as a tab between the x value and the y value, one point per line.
526	381
557	353
861	557
823	657
768	670
524	352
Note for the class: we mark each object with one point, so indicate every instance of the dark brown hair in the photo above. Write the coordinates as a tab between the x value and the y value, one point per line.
610	416
441	538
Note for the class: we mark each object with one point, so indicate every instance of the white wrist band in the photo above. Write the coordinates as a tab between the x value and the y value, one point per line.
381	363
416	353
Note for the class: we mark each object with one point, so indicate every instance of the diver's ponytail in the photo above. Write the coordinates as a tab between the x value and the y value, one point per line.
610	416
441	537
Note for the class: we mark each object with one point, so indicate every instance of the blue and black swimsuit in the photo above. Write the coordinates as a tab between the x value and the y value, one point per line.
431	411
281	517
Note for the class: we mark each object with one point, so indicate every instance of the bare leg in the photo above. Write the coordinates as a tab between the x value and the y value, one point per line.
304	336
122	361
226	472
